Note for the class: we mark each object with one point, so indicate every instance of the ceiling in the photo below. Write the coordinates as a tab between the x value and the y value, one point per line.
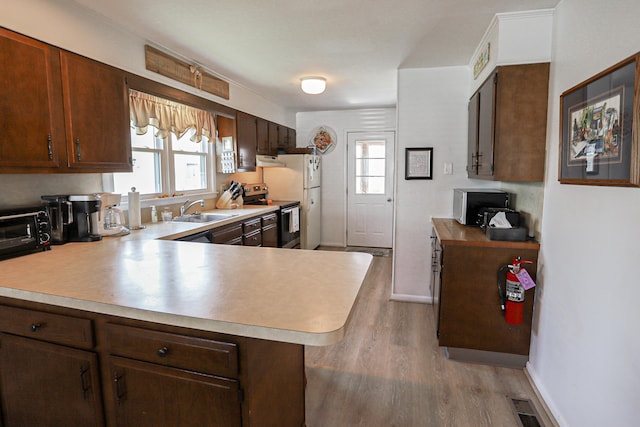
358	45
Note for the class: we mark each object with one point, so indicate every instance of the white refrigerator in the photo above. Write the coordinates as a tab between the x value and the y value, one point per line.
299	179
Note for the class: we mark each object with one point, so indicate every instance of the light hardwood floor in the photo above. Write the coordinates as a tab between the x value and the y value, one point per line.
389	371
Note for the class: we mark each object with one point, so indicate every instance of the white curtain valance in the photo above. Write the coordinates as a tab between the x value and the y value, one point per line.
168	116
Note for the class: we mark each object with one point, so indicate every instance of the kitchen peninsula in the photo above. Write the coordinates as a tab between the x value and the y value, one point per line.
162	332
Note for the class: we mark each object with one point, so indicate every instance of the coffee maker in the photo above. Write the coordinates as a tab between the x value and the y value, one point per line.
74	218
86	211
61	215
111	218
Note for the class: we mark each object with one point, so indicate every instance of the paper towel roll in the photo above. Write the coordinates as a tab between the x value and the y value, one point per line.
134	209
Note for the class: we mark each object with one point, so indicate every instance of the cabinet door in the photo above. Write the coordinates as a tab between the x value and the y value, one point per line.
282	137
291	138
246	130
30	117
472	149
486	127
57	385
263	136
146	394
270	236
273	138
96	106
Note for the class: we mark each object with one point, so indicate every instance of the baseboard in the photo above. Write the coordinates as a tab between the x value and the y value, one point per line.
505	360
550	420
411	298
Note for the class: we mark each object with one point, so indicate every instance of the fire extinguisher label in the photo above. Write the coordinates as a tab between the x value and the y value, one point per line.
525	279
515	292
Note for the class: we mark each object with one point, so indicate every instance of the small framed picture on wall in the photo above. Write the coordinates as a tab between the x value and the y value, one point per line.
418	163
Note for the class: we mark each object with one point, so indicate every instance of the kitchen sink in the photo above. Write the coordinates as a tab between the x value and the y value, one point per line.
203	217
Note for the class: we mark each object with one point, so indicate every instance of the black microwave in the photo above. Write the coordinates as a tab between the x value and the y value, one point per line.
23	231
467	203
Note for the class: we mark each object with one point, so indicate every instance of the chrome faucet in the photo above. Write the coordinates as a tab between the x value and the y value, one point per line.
184	209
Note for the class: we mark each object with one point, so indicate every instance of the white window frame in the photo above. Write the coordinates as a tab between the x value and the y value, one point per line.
167	175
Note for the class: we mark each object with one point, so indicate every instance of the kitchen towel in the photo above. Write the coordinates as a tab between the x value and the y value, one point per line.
294	220
134	209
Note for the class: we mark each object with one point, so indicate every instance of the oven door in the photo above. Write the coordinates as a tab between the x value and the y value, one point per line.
18	235
289	232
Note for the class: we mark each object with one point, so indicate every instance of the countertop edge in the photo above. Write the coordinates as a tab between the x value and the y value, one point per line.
209	325
450	232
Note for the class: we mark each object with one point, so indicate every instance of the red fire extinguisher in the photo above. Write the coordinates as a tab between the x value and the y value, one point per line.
512	298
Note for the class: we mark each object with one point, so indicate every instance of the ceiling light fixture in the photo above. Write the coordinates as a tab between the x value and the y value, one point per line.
313	85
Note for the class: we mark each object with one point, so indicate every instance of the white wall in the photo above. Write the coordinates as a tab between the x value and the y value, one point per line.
515	38
585	355
334	169
432	112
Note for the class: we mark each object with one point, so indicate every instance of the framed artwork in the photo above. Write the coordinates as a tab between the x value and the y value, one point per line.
598	139
418	163
323	138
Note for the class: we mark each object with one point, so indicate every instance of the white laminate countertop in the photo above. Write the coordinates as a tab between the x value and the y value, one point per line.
289	295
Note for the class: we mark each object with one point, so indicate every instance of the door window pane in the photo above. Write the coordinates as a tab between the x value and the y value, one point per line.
370	167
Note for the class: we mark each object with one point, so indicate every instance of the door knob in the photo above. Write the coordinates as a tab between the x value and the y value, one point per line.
389	199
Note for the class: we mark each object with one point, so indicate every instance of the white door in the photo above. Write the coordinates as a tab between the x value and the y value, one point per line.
370	188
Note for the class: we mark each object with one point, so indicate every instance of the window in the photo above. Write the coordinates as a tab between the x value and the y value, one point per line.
370	167
167	166
171	149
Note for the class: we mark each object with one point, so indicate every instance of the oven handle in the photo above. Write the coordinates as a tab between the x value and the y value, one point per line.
286	211
21	215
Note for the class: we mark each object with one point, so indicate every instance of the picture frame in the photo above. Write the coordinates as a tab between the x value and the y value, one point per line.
418	163
598	128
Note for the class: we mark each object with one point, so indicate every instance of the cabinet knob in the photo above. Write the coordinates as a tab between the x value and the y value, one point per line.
35	326
162	352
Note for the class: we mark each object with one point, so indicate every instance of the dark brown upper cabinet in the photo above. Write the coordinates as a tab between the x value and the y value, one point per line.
60	112
508	124
246	129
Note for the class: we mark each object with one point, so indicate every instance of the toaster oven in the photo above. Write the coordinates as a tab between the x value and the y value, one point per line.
23	231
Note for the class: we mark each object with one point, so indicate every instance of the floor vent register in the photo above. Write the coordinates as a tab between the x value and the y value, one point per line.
525	412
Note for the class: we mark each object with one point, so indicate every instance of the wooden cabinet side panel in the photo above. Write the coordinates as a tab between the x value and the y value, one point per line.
521	122
472	148
470	314
486	128
275	384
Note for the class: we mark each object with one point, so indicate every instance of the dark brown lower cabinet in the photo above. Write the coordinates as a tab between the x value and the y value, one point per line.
146	394
61	367
466	289
46	384
270	230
